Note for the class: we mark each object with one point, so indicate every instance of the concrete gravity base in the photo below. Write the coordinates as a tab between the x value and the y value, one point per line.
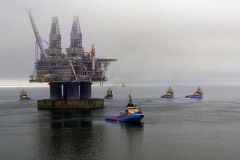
70	104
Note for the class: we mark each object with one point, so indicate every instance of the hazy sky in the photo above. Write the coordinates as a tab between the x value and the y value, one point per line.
154	40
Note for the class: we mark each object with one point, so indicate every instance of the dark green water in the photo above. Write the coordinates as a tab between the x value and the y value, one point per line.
172	129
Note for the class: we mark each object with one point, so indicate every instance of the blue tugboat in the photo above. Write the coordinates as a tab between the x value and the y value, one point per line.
23	96
109	94
133	114
198	94
169	94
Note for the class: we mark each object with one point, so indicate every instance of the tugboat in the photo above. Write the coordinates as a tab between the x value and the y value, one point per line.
133	114
169	93
123	85
198	94
23	96
109	94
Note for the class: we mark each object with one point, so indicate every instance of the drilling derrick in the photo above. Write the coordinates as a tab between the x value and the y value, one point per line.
69	75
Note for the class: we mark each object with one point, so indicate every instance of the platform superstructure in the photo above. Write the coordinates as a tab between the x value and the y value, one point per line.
69	74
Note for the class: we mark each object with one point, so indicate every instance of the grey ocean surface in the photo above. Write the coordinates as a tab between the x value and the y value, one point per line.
172	129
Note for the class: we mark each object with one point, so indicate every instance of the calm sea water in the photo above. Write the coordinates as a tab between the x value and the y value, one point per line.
172	129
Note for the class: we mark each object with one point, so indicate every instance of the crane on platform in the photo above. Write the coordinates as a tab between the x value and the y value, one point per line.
44	56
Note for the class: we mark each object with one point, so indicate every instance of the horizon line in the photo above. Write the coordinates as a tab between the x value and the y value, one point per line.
132	84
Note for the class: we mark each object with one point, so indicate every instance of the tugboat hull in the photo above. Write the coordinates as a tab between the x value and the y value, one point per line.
25	99
108	97
165	96
192	96
132	118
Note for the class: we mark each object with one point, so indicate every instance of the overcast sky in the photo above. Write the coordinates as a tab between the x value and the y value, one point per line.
155	41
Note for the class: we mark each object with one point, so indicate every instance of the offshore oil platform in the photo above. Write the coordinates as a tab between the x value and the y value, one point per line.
69	75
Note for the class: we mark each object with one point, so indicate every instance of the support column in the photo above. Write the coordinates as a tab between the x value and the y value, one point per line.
55	90
85	90
72	91
64	91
